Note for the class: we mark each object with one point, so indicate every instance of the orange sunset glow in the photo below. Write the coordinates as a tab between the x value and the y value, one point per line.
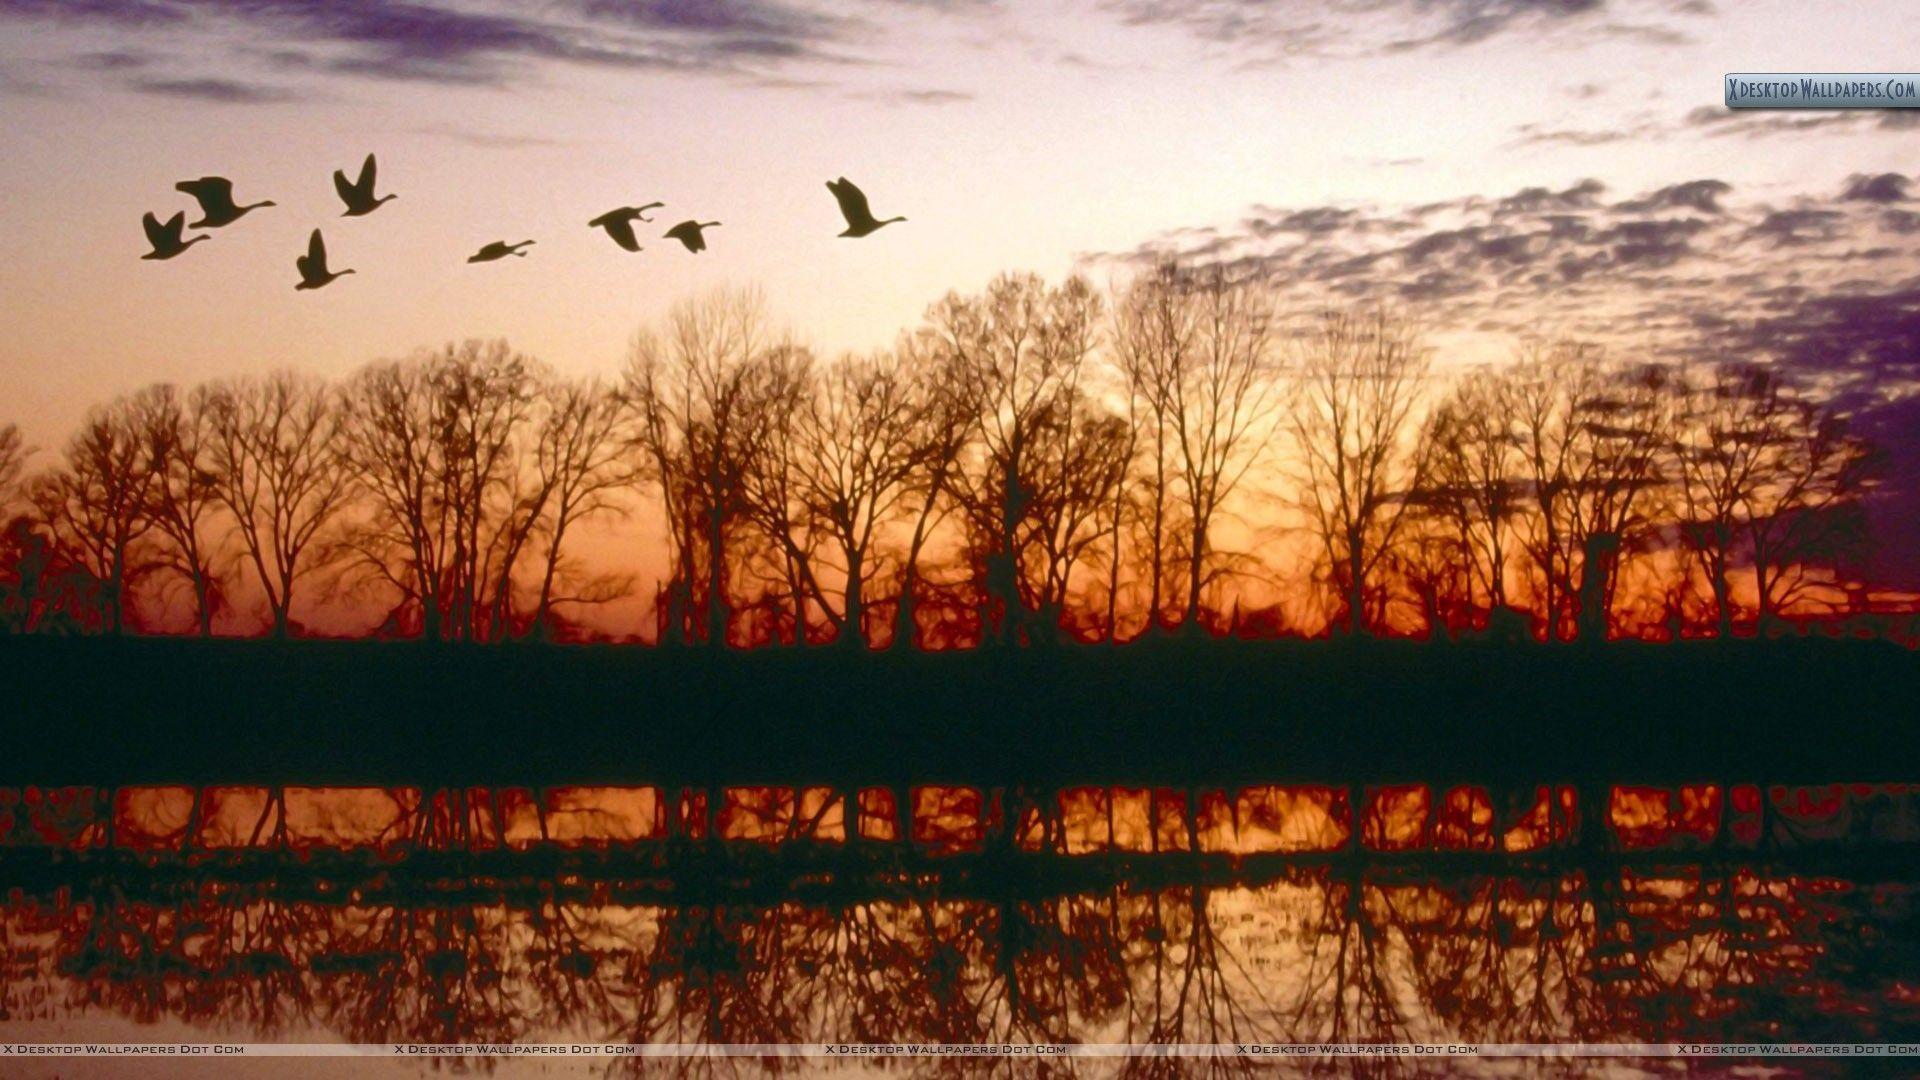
1133	538
1603	229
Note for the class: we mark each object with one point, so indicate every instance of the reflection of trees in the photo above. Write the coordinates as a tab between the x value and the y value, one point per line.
1188	986
1345	992
1344	955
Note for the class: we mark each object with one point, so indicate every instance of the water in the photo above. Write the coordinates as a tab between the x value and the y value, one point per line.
322	928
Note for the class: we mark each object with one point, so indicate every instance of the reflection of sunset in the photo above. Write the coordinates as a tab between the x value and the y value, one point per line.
1157	522
1309	955
1257	820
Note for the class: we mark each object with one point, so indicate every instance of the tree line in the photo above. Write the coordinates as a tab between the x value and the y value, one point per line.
1034	461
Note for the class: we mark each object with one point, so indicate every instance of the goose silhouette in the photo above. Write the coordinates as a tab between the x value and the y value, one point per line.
215	196
853	207
499	249
688	233
618	223
166	238
313	265
358	194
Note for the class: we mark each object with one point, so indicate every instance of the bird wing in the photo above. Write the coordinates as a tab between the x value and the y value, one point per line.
157	234
621	230
209	191
367	170
317	249
348	193
853	201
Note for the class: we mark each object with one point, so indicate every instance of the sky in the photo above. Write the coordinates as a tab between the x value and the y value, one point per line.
1499	168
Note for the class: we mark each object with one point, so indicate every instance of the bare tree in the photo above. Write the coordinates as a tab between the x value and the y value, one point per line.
1592	437
275	452
1619	452
1221	408
96	503
781	550
859	449
1550	386
1026	348
699	390
1154	333
1474	482
946	408
581	464
180	433
1766	477
434	443
1353	421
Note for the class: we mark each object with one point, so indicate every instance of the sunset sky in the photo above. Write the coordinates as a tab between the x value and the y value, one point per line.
1495	166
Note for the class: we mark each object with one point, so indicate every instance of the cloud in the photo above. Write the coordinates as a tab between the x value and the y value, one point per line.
1719	121
1715	122
491	42
1883	188
114	60
1536	135
914	97
1825	285
1701	195
1266	32
487	140
217	91
1677	262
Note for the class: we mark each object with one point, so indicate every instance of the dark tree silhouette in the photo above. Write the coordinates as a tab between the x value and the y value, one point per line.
276	456
1354	422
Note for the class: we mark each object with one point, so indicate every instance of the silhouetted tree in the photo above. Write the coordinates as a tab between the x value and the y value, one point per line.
860	440
1027	348
180	432
1767	478
700	388
1197	348
433	443
1474	483
946	408
96	503
1591	435
1354	422
580	463
276	455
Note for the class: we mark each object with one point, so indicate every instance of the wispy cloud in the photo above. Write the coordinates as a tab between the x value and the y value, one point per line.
914	96
1264	32
485	42
487	140
216	91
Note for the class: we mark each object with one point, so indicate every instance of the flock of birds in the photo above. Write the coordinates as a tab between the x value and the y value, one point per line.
218	209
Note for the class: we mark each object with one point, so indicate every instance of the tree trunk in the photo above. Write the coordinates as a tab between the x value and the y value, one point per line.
853	622
1356	585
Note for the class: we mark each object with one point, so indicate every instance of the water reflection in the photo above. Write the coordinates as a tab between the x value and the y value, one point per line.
951	819
1310	954
1093	914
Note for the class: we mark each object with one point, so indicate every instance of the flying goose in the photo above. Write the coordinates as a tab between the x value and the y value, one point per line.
853	207
499	249
358	194
166	238
619	223
215	196
313	265
688	233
